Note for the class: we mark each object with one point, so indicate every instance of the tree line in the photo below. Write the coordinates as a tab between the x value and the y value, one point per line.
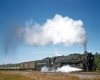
97	60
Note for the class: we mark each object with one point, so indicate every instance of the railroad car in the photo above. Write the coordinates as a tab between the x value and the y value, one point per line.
32	65
44	62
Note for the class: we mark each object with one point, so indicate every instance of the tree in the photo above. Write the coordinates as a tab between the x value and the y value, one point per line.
97	60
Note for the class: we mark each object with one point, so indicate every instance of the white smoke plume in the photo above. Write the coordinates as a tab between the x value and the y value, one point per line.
57	30
46	69
57	54
66	69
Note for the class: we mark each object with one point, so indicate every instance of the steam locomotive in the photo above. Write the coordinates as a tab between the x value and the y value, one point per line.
83	61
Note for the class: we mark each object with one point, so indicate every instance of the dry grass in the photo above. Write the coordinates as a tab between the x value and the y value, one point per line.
57	76
8	76
41	76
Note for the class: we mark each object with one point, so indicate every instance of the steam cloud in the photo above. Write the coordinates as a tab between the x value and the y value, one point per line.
57	30
66	68
57	54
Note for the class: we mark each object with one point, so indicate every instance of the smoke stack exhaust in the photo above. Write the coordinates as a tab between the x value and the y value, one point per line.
85	48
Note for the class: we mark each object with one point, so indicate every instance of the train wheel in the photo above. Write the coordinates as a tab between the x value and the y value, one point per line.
38	68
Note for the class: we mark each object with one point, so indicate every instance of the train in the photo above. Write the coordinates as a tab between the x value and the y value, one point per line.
83	61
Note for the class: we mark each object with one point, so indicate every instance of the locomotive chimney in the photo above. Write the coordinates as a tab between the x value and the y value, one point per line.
85	52
85	48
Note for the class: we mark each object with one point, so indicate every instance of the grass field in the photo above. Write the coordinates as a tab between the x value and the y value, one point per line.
7	76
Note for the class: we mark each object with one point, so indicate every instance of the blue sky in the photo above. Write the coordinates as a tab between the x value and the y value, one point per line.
17	12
